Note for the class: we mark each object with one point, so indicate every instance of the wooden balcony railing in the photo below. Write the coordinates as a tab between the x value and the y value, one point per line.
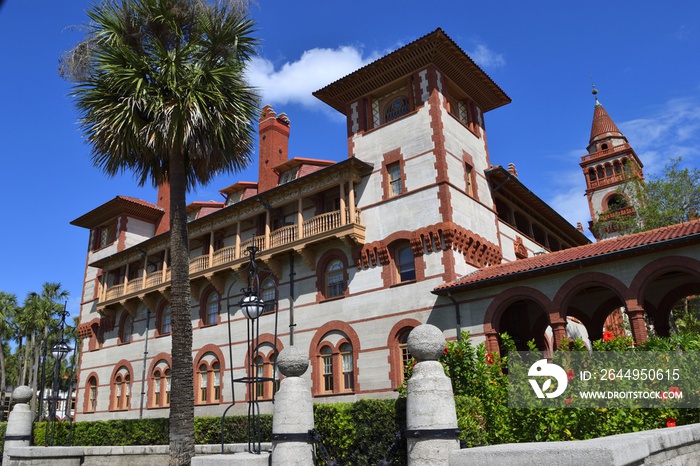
318	225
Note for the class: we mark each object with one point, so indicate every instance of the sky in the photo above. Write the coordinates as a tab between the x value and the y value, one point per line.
643	57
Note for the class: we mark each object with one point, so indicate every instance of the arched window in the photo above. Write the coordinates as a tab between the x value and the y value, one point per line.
396	108
335	279
591	174
91	395
405	354
160	385
166	320
210	316
121	389
335	365
208	379
127	328
269	294
600	172
405	264
617	202
608	170
264	369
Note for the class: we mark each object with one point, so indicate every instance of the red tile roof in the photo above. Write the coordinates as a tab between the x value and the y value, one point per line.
602	124
574	257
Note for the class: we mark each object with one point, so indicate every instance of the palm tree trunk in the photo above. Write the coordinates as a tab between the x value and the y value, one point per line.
182	398
34	372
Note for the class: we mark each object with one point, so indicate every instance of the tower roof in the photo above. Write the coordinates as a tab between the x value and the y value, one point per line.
434	48
603	126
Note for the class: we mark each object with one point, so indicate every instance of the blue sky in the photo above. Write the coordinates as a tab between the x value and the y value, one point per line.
642	56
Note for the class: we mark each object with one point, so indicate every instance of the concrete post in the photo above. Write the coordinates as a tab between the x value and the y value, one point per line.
431	420
19	422
293	414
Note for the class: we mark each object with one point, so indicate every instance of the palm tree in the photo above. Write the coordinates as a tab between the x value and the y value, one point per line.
161	90
8	309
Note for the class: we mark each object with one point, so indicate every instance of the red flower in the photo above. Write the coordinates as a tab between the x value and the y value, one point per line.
670	422
675	390
608	335
489	359
446	350
568	400
570	375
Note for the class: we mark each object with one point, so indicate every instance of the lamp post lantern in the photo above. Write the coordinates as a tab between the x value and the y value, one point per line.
252	306
58	351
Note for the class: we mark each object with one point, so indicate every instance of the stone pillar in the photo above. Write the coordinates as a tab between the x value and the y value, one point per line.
492	342
293	414
431	420
19	422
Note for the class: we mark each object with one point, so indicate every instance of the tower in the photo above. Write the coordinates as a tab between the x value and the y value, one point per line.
610	163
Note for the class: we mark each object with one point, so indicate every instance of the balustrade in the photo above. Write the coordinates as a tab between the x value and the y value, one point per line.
288	234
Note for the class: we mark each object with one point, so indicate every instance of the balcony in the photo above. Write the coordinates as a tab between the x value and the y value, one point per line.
318	229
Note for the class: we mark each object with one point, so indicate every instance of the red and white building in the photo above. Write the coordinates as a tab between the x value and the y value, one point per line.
415	226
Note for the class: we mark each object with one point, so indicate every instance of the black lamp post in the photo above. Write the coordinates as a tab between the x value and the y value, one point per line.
253	306
58	351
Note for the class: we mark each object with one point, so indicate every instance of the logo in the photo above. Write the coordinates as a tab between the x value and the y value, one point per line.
542	368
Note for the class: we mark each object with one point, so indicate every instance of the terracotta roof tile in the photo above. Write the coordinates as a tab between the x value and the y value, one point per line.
602	124
596	251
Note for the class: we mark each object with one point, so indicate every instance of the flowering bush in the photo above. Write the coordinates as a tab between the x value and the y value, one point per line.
479	381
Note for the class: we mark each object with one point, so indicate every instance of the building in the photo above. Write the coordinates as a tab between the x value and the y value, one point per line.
404	231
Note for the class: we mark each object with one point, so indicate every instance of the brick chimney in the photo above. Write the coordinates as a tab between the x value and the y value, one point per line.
164	203
274	146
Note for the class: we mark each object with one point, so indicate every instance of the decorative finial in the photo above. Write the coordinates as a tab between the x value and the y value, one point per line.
594	92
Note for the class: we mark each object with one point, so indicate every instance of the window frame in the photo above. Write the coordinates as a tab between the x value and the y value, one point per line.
126	328
400	265
208	380
121	389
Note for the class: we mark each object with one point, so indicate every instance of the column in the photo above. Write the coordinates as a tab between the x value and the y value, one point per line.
343	219
351	201
238	240
19	423
559	333
266	244
431	419
300	218
635	312
293	415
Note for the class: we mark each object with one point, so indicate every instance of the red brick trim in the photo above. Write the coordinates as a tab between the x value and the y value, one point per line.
204	350
500	304
315	357
112	392
321	267
159	318
152	367
393	156
467	159
394	359
204	297
86	400
663	312
572	286
647	274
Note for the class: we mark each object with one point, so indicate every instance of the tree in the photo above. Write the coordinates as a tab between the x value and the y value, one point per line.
666	199
8	309
161	90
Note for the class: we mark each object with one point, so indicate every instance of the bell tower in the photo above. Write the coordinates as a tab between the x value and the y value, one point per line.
610	162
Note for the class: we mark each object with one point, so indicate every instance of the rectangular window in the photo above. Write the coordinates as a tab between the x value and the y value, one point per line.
468	177
348	372
93	398
394	171
328	373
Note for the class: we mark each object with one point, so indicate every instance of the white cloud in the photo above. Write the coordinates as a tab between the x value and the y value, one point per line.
295	81
670	131
486	58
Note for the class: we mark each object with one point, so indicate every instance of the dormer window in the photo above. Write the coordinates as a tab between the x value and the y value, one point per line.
234	198
289	175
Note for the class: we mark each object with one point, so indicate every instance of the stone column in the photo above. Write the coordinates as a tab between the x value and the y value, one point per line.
19	422
293	414
431	420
